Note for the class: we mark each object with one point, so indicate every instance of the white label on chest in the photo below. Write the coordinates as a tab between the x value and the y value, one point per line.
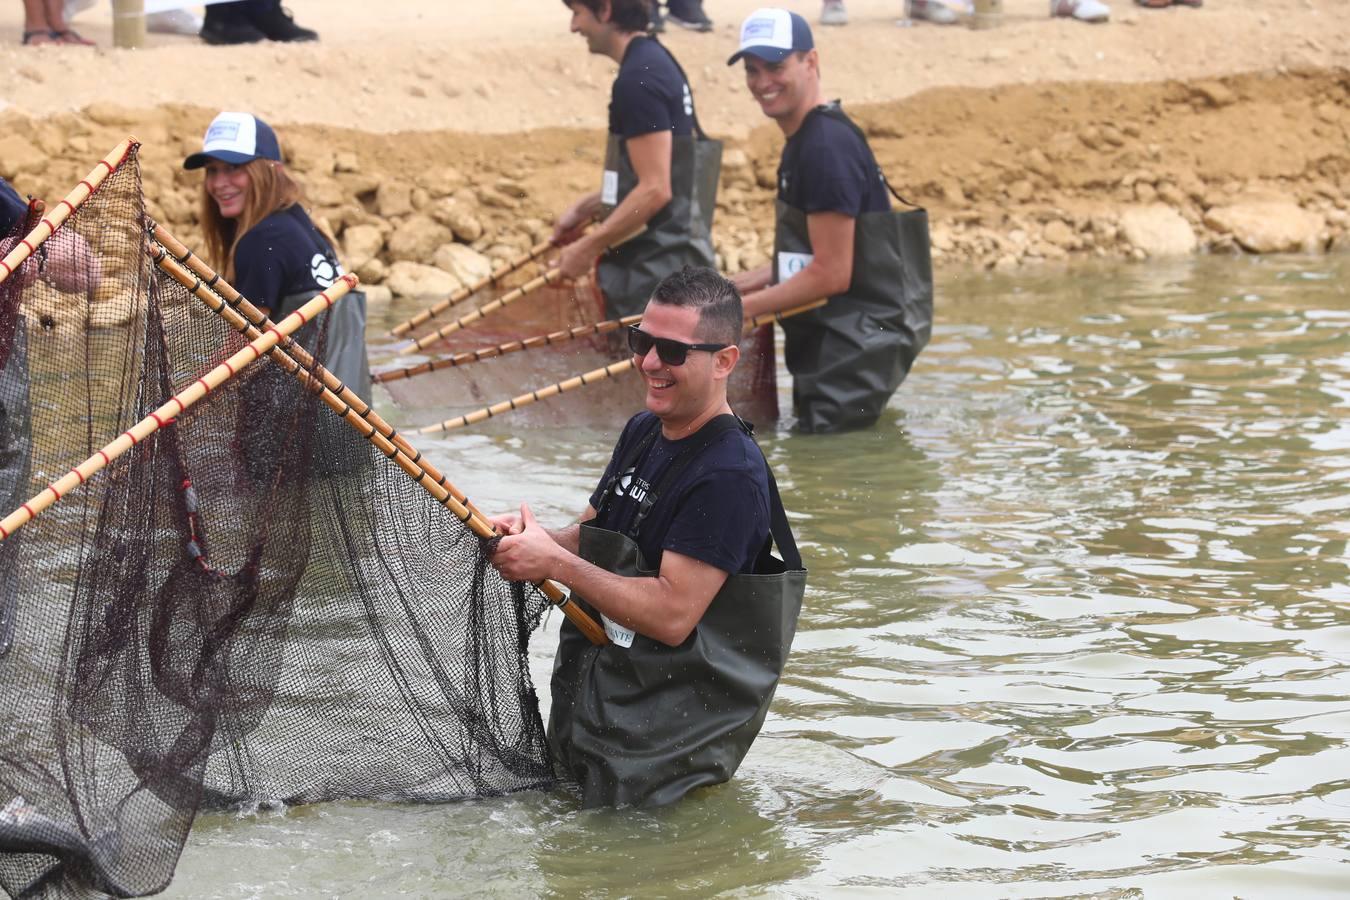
790	264
609	188
617	634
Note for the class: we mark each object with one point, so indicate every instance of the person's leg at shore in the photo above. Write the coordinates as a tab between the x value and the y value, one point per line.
35	28
833	12
250	21
276	22
44	22
940	12
1092	11
230	23
688	14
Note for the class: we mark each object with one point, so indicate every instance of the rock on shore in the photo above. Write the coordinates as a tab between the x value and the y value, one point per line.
1011	176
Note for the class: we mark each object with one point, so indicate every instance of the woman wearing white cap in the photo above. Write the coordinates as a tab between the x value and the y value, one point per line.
260	238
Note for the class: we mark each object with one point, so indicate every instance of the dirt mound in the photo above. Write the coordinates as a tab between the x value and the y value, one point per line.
1011	175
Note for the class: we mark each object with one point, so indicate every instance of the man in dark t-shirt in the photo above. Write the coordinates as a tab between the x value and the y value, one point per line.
835	237
684	510
827	170
651	115
711	522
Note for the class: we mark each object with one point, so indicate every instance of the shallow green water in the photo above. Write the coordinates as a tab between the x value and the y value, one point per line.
1078	622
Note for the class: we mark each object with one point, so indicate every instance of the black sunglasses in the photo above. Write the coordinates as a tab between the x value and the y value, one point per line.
671	351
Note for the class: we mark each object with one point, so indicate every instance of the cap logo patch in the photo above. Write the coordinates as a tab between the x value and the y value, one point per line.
222	131
757	28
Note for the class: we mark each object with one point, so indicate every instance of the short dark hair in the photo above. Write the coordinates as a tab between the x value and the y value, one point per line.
718	302
628	15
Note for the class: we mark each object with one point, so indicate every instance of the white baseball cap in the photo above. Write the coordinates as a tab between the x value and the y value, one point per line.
237	138
772	34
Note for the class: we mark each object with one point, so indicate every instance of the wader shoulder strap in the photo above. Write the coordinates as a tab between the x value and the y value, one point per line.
780	533
836	112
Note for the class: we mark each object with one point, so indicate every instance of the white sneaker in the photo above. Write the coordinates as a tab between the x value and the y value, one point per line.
832	12
937	11
174	21
1083	10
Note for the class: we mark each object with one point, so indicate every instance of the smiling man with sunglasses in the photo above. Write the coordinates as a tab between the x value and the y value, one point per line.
673	553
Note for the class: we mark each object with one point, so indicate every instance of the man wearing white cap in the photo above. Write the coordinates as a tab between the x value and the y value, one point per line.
835	236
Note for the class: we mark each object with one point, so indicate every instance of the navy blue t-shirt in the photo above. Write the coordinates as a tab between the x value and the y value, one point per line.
827	167
282	255
649	93
716	511
12	207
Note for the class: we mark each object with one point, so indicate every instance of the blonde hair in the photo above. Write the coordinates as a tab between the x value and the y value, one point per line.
270	188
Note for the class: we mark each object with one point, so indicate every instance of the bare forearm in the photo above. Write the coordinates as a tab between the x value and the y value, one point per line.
568	537
810	284
644	604
634	212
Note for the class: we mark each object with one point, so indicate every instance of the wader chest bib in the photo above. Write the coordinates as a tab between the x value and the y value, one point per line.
647	723
679	235
848	357
345	342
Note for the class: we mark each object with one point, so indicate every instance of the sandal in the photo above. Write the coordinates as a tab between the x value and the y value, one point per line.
1193	4
1154	4
71	36
31	38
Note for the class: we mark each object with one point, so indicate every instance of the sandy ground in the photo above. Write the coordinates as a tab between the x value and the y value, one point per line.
511	65
1035	141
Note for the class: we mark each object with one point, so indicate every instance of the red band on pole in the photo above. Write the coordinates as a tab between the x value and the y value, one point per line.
28	509
128	434
181	408
78	474
55	492
203	383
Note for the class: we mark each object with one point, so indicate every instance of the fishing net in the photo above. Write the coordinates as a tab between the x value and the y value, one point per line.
251	605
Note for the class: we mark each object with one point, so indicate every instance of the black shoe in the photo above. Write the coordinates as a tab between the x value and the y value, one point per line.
689	14
277	24
217	31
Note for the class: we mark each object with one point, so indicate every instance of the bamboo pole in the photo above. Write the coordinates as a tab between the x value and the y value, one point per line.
464	293
585	378
176	406
29	243
529	343
210	281
295	360
550	277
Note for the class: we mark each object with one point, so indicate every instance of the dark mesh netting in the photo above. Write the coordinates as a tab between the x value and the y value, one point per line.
319	628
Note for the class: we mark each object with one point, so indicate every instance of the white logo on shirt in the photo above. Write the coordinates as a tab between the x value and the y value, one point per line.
688	101
323	271
627	488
